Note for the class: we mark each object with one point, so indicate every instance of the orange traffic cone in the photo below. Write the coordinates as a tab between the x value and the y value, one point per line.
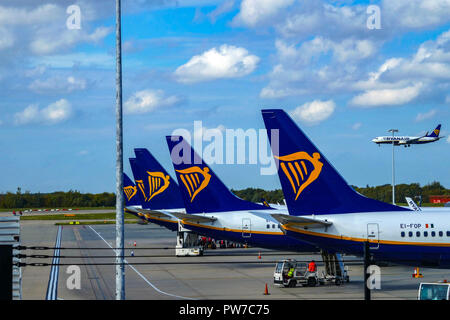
266	291
259	255
419	275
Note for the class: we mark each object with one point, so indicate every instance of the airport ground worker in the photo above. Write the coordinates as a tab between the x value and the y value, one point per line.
312	267
291	272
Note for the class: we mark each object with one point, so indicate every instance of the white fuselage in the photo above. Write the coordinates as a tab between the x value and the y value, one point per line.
403	140
398	236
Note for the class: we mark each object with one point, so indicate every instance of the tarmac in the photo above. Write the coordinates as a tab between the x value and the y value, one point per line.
157	273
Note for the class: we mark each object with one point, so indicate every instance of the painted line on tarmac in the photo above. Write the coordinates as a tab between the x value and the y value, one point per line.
140	274
52	288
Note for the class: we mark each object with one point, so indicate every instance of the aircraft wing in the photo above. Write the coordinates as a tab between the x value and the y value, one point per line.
410	141
192	217
153	213
170	214
300	221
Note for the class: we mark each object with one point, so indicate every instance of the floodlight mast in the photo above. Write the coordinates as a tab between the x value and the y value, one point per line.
393	165
120	267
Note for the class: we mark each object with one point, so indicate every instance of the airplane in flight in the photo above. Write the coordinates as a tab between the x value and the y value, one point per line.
342	220
407	141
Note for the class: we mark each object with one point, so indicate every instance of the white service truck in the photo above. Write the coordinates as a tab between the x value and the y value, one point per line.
434	291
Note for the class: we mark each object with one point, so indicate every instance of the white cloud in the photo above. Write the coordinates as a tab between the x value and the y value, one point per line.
316	17
273	93
415	14
317	65
145	101
314	112
373	81
81	59
202	131
49	43
227	62
58	84
351	49
222	9
427	115
254	12
356	126
383	97
41	29
6	39
10	15
56	112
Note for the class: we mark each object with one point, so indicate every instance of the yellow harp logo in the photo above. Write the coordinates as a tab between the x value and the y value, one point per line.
157	183
436	132
296	170
195	180
130	192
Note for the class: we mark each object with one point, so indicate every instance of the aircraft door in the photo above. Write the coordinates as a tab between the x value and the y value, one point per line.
246	228
373	234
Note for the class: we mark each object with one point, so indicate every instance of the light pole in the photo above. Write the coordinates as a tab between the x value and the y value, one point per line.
393	166
120	267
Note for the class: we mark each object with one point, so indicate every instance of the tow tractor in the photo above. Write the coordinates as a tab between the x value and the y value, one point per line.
434	291
335	272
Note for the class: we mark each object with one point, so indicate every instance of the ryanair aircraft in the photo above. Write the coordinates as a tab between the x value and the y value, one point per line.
214	211
155	190
326	212
249	222
408	141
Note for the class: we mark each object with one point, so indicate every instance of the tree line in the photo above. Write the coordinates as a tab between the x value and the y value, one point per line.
74	199
381	193
60	199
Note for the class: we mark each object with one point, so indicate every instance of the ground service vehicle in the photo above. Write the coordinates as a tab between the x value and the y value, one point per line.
335	272
434	291
300	274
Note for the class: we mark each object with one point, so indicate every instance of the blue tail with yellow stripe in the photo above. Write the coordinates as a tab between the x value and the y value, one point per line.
158	190
201	188
130	192
311	185
435	132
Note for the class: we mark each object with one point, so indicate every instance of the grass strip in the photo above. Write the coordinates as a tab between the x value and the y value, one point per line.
81	223
83	216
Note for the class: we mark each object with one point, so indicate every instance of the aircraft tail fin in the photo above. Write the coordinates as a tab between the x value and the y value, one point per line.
265	203
130	192
435	132
311	185
157	188
201	188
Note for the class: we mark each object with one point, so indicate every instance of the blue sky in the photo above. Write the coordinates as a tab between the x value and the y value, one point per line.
220	62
